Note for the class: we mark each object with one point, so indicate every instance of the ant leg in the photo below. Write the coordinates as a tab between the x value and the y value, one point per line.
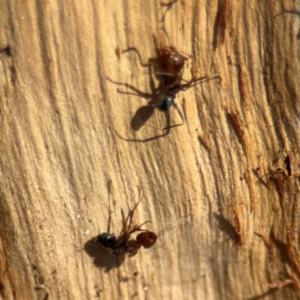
171	79
124	223
143	140
131	87
110	191
127	223
204	79
193	82
185	55
138	53
131	212
124	232
138	227
179	112
162	38
169	5
130	216
154	90
180	115
149	65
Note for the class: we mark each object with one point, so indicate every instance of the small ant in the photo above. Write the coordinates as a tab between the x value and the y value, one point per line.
123	244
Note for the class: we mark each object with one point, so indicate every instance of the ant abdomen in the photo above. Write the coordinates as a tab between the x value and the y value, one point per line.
147	239
165	100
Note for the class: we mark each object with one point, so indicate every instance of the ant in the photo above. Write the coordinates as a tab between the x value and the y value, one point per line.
122	244
169	62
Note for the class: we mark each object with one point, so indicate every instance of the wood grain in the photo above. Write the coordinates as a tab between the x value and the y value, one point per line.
221	191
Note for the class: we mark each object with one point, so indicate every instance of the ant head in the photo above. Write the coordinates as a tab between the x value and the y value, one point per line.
165	101
171	60
147	239
107	239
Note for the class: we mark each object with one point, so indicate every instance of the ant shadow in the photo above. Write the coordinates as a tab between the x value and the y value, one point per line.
220	24
226	227
103	258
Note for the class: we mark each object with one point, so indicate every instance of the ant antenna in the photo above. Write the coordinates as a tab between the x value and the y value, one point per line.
169	5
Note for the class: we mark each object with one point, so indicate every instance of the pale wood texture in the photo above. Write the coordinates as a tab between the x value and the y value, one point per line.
218	190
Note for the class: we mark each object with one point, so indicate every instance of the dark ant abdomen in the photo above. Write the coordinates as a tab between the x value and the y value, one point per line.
107	239
165	101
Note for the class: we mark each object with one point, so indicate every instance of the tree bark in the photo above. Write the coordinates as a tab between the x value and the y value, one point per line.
79	142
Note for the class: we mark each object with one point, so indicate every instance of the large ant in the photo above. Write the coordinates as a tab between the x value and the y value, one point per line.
123	244
169	63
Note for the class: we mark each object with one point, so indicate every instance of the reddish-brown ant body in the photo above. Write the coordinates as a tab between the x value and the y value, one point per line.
170	61
123	244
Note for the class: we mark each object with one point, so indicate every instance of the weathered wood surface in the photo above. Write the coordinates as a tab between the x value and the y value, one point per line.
218	190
